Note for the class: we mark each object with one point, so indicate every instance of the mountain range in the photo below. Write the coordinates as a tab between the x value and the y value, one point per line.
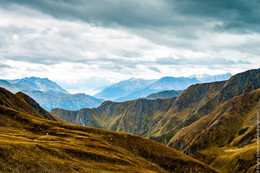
138	88
49	94
34	140
204	118
206	78
123	88
37	84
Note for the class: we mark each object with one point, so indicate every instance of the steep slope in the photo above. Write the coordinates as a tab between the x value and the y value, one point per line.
165	94
123	88
219	127
137	116
66	101
200	100
25	104
165	83
39	84
225	138
30	143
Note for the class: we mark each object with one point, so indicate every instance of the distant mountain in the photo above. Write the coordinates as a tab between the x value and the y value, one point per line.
205	78
50	101
38	84
165	94
165	83
123	88
49	94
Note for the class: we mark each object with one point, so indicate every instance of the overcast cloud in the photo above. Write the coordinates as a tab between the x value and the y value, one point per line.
73	40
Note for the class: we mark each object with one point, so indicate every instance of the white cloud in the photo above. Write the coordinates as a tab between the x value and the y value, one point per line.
70	51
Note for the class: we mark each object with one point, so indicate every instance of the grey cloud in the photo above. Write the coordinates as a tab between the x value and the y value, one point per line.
199	61
155	69
4	66
173	23
153	13
166	22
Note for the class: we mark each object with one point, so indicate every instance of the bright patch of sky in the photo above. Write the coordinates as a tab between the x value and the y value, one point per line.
86	45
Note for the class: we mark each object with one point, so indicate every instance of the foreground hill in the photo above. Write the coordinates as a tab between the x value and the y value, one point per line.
137	116
31	142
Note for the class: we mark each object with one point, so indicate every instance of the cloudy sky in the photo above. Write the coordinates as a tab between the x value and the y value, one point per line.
96	42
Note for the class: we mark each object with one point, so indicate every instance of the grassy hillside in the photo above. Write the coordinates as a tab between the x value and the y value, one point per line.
137	116
226	138
200	100
221	126
33	143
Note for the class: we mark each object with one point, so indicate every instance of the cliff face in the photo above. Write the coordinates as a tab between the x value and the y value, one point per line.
137	117
220	127
200	100
161	119
226	138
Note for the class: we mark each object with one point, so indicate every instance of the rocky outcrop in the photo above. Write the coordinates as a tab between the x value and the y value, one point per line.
200	100
137	117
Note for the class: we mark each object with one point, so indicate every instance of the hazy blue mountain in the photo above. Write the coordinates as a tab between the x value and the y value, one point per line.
38	84
8	86
123	88
66	101
205	78
165	83
165	94
49	94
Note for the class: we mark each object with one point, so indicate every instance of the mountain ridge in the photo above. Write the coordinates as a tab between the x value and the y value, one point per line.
32	143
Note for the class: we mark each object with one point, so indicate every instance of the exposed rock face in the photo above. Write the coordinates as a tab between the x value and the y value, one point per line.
137	117
161	123
200	100
231	119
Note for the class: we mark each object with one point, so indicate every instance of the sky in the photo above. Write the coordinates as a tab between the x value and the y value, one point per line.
86	44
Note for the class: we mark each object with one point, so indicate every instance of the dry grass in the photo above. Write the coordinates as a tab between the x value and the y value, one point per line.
230	159
30	143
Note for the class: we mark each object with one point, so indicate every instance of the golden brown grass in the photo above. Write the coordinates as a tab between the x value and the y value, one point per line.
30	143
230	159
